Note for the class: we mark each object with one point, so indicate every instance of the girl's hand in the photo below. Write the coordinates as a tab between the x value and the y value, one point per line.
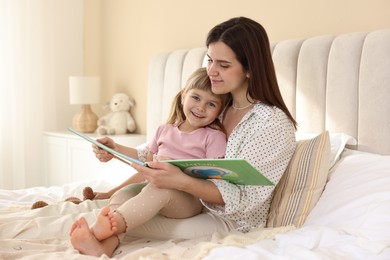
101	154
101	195
164	175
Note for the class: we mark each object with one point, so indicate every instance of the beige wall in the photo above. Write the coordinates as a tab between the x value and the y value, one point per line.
122	35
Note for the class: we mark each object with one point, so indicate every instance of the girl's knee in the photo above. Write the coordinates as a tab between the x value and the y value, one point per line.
126	193
152	191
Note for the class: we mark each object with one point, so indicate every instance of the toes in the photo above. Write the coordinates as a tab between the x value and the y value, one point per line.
82	222
105	211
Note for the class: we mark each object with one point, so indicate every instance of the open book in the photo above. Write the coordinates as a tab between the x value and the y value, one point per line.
237	171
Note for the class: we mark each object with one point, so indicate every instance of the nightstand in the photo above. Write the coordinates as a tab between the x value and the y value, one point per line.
69	158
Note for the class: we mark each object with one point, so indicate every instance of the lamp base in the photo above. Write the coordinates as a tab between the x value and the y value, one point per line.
86	120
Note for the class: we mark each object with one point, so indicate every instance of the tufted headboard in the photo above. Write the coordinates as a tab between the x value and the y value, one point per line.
336	83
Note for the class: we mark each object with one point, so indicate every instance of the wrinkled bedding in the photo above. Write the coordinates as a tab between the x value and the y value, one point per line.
350	221
43	233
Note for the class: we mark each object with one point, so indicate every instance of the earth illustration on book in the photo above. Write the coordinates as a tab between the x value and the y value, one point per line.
209	172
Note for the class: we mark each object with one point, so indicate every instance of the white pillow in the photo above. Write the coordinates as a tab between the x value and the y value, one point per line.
356	198
338	141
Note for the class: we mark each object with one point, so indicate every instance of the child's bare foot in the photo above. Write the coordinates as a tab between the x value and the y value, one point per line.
105	225
75	225
83	239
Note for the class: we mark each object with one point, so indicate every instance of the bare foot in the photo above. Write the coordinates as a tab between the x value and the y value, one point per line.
74	226
83	239
105	225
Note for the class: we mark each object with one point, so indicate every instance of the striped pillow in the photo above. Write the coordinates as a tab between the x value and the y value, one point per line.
302	184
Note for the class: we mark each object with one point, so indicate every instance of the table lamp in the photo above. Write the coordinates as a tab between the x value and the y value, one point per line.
84	91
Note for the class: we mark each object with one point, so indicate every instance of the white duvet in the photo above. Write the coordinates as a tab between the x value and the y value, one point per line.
350	221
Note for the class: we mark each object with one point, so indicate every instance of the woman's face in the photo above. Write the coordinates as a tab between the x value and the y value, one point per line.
225	71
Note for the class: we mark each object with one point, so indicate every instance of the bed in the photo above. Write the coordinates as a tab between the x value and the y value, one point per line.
333	202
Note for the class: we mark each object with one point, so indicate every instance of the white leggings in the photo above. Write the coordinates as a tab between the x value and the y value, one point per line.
164	214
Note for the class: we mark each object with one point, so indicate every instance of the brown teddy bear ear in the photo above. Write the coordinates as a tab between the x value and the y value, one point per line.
88	193
39	204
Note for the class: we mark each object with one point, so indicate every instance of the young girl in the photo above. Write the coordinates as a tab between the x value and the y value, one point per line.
192	131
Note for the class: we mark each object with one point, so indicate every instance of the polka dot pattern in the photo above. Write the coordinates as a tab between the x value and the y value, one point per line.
266	138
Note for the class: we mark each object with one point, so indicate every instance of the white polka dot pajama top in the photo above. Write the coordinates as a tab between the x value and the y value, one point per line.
266	138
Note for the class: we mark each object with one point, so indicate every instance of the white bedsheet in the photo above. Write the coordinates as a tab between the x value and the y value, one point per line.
309	242
350	221
339	227
44	234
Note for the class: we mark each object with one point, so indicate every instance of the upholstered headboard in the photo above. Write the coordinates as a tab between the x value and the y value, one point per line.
336	83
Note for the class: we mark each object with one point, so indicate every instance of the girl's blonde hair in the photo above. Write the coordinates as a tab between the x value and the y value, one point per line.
198	80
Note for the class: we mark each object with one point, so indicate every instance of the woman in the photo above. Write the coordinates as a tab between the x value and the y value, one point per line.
259	128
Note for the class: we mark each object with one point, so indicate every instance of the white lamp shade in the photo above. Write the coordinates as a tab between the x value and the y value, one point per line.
84	90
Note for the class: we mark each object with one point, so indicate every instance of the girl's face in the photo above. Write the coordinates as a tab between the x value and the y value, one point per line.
200	107
225	71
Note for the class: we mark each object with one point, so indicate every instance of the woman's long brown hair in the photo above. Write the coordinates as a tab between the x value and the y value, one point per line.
250	43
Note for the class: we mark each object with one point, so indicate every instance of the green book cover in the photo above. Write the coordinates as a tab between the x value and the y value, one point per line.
238	171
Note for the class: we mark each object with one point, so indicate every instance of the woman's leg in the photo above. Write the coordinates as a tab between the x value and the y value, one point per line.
163	228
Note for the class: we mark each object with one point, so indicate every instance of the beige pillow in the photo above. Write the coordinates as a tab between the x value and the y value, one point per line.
302	184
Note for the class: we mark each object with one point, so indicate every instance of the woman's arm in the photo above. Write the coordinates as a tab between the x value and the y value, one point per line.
204	190
167	176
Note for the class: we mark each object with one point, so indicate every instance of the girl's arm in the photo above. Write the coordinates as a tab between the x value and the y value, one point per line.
105	156
129	151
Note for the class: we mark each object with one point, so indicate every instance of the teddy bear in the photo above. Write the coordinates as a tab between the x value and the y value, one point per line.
119	120
88	194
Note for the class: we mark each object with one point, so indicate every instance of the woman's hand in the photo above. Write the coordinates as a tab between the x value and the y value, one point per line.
101	154
164	175
167	176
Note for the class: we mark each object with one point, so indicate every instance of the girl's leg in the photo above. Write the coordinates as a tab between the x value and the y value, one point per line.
83	238
105	224
143	207
159	227
152	201
85	242
124	194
